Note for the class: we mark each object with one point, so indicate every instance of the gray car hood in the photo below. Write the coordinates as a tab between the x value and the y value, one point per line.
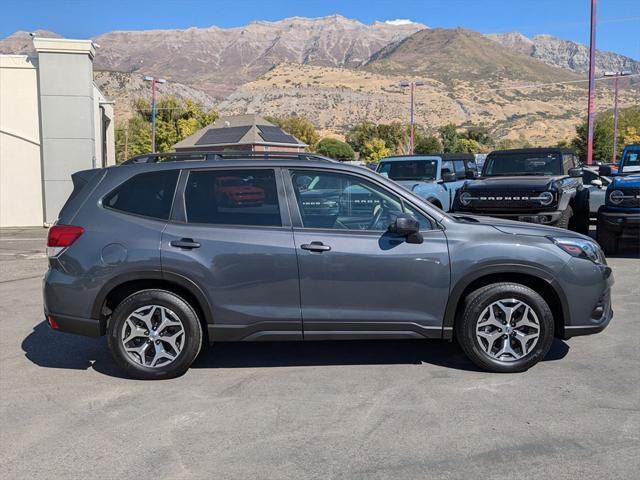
513	227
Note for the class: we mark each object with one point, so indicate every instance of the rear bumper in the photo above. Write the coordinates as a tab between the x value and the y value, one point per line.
79	326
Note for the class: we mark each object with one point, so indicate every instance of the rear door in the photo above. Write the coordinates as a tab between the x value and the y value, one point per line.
356	279
231	234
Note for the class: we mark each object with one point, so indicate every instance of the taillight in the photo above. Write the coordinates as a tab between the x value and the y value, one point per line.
61	237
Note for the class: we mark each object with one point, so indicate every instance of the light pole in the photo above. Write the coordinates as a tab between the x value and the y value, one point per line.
592	83
153	81
412	85
616	76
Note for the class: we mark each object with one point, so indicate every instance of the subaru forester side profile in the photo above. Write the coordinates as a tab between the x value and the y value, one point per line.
153	256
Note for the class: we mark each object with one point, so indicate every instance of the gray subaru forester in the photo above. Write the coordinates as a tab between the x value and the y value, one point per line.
163	254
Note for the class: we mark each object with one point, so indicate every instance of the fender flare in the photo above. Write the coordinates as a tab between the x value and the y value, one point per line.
456	291
180	280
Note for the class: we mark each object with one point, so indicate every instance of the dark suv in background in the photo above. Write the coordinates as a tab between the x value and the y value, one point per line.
155	255
537	185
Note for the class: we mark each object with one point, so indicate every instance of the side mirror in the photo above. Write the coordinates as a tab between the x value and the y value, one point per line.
575	172
604	170
596	182
406	226
471	175
448	177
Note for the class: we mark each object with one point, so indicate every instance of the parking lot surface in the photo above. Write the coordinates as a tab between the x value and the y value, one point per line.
357	410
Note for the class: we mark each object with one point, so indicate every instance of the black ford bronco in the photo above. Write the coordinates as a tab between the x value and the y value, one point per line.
537	185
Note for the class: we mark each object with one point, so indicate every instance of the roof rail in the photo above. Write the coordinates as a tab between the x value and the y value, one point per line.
209	155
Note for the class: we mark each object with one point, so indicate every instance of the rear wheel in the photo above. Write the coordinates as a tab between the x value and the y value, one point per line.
154	334
607	239
505	327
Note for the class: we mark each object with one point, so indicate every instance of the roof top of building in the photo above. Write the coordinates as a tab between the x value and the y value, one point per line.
248	129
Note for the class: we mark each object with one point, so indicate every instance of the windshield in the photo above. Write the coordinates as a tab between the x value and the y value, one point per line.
631	160
410	170
522	163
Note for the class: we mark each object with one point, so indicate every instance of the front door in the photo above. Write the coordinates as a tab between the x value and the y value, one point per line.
232	236
356	279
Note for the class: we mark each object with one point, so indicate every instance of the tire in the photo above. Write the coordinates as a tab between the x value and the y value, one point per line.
607	239
580	221
180	338
565	218
487	355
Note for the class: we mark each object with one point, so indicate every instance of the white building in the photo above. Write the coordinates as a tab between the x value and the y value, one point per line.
53	122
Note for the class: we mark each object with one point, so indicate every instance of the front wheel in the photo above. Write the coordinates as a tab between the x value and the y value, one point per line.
505	327
565	218
154	334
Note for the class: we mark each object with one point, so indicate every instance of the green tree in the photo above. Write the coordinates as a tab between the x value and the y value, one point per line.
395	136
175	120
336	149
449	138
299	127
374	150
428	144
465	145
360	134
479	134
628	120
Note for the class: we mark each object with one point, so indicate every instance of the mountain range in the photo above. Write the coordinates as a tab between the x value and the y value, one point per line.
337	71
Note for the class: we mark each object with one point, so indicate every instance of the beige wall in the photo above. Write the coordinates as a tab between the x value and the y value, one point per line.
100	104
20	167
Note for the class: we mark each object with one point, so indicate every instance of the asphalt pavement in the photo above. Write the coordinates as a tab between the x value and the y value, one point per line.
331	410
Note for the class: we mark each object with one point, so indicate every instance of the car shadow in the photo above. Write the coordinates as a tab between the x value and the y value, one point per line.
49	349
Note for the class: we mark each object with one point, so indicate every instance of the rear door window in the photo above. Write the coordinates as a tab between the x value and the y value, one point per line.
460	170
147	194
232	197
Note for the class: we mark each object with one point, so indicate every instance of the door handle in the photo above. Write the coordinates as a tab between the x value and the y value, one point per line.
315	247
187	243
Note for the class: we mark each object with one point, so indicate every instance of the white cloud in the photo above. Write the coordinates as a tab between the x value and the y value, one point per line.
399	21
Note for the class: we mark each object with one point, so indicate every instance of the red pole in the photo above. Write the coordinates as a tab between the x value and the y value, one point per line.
153	116
615	119
592	84
413	84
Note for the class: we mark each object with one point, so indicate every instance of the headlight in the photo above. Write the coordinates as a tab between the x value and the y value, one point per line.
616	196
545	198
580	248
465	198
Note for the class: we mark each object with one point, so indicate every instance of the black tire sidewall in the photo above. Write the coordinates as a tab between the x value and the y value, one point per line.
478	301
192	337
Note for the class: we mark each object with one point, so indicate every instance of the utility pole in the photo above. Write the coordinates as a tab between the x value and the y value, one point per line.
153	81
616	76
592	83
412	88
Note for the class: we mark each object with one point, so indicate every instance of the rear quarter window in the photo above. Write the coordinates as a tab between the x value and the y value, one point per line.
147	194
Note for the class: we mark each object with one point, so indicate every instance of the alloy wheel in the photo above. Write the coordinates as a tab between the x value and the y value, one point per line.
153	336
508	330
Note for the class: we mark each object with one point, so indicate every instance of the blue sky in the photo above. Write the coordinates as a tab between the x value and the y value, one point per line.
618	20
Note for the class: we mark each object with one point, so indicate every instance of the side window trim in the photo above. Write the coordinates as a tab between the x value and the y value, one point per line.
179	212
296	217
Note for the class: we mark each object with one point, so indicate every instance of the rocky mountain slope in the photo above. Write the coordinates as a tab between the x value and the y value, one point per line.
123	88
220	60
564	53
451	55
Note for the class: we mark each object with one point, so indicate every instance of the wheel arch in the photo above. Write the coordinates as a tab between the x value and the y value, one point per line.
536	279
120	287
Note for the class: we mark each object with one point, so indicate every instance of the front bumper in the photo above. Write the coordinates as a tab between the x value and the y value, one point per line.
542	218
587	290
619	221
